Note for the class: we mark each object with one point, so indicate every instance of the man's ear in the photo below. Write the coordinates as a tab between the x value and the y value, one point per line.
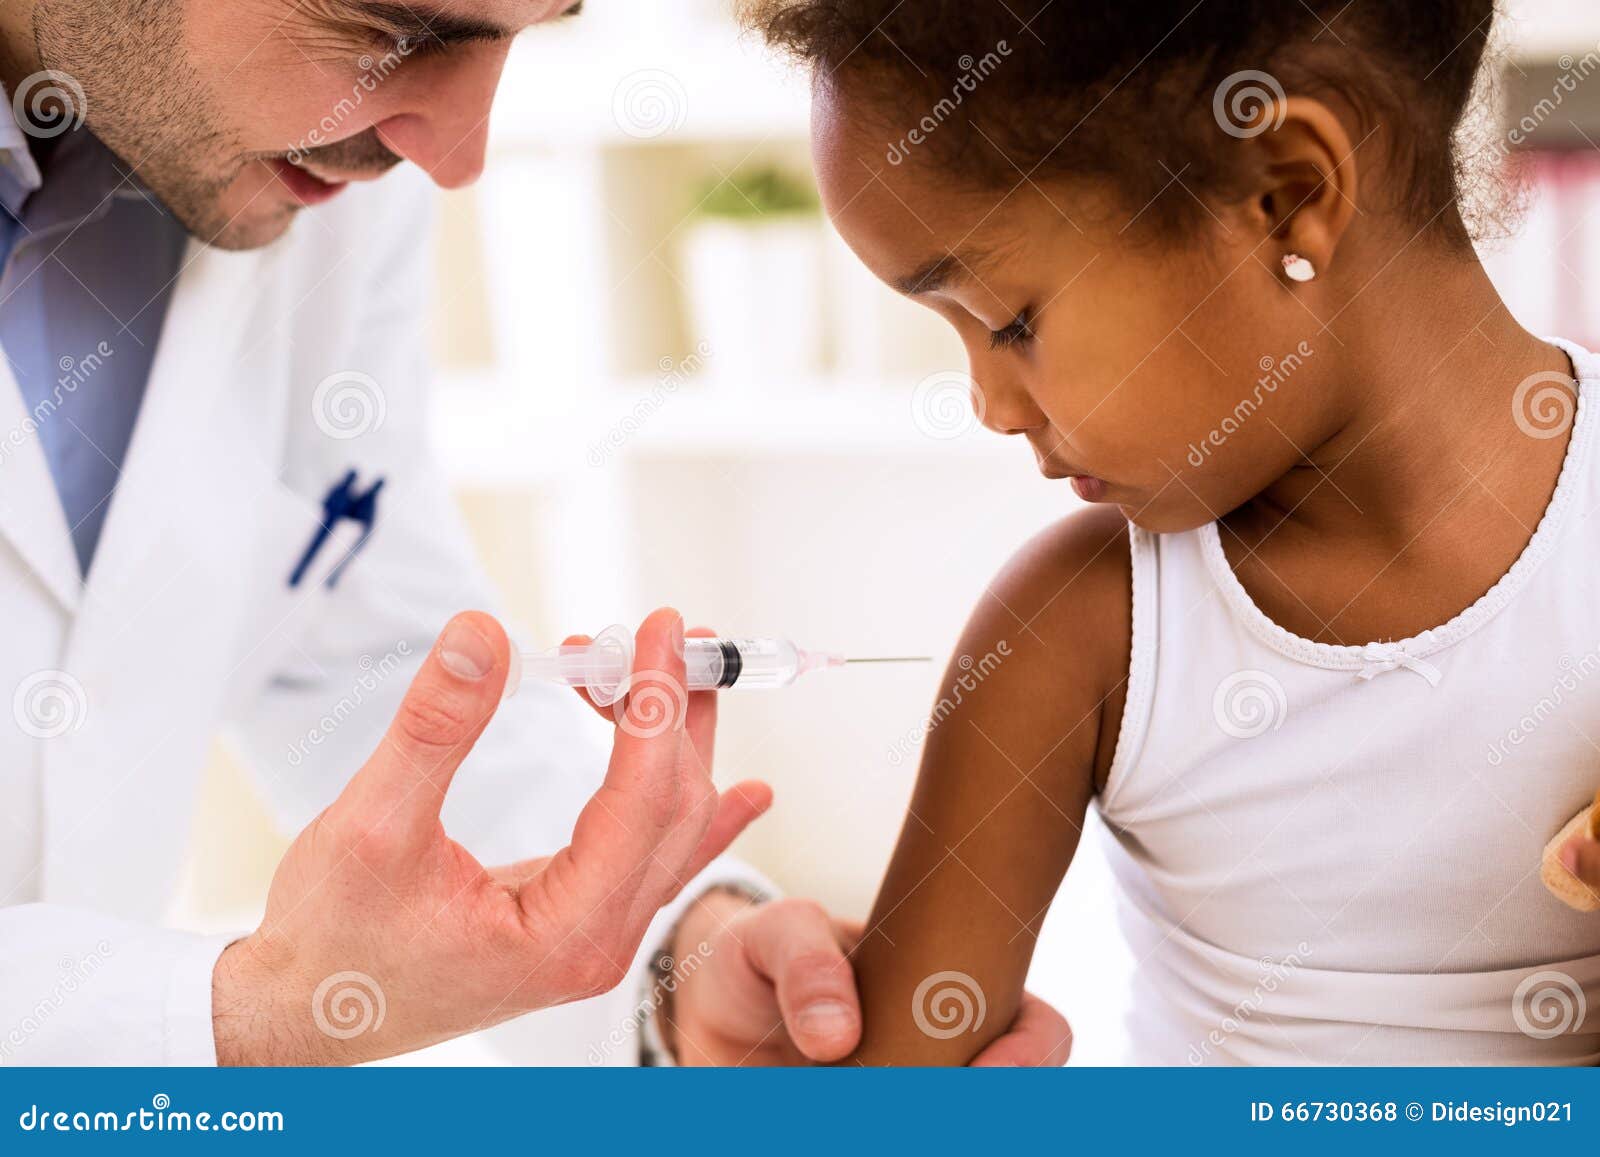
1304	194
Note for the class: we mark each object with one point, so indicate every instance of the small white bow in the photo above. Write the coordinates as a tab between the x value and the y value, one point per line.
1381	658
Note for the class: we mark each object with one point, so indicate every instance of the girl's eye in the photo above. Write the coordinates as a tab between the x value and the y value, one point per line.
1020	330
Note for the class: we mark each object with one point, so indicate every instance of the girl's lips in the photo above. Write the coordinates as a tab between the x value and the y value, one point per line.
302	186
1089	489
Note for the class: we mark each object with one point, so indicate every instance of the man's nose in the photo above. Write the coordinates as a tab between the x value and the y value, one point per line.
446	131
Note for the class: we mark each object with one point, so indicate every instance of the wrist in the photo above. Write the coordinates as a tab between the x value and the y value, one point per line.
691	940
251	1021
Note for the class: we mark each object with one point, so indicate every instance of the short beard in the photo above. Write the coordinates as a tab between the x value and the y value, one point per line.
145	101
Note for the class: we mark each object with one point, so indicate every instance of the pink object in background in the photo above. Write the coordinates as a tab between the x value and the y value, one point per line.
1546	273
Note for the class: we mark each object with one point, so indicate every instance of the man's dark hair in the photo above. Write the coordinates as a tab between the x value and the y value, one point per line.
1145	93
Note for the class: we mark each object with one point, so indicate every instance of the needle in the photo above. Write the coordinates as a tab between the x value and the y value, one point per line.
909	659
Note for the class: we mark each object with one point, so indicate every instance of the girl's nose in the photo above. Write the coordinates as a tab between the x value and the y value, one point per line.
1005	407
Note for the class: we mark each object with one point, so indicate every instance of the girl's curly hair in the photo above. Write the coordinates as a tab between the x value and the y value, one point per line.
1151	93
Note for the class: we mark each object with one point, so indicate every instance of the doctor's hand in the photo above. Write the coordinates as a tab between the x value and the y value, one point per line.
382	934
1579	854
772	985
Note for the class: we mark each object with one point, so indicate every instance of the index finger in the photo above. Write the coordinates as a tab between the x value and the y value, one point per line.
620	829
656	705
703	718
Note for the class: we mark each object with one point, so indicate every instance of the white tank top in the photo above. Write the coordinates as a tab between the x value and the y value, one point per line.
1331	854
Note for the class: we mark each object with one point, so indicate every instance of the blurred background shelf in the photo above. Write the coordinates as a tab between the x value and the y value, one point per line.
487	435
694	83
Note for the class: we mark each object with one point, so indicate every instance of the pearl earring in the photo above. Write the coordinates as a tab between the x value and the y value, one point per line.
1297	268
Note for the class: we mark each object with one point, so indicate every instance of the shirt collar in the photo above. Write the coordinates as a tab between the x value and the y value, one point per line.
83	176
19	172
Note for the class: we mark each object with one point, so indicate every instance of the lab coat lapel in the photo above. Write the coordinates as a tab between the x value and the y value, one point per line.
153	640
31	518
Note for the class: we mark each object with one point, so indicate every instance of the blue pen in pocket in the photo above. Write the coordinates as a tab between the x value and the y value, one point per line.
343	502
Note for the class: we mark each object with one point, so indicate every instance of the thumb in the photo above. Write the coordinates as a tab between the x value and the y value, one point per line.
454	695
793	943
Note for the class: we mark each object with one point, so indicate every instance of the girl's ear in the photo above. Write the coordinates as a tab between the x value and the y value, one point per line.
1305	193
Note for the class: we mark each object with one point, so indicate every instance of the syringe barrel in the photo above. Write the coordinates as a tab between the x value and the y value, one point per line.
741	664
604	665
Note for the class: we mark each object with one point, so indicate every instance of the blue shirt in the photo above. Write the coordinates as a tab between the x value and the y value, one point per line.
88	261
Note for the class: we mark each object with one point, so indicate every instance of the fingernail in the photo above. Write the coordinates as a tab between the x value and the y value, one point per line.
1569	858
825	1018
464	652
677	635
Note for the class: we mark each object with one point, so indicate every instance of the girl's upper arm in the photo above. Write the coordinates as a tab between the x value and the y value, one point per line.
1024	727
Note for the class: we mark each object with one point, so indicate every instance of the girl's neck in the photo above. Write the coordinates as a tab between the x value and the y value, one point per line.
1424	489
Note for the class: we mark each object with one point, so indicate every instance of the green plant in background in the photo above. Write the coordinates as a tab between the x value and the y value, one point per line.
751	194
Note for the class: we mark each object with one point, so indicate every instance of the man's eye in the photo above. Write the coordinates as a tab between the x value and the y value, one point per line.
1020	330
409	47
421	44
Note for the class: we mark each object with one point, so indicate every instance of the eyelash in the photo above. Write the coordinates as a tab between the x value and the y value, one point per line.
412	47
1020	330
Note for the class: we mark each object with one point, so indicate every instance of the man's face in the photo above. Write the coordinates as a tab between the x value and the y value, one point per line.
238	113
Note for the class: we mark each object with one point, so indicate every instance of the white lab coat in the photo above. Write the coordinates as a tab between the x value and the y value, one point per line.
187	627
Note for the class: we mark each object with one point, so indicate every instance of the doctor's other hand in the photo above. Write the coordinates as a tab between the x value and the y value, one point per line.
1580	855
772	985
382	934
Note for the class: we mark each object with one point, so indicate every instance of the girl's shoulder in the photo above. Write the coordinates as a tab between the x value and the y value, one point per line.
1063	608
1085	555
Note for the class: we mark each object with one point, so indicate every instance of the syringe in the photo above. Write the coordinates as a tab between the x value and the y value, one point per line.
602	667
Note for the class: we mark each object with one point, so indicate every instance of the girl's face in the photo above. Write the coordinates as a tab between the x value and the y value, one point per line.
1174	378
